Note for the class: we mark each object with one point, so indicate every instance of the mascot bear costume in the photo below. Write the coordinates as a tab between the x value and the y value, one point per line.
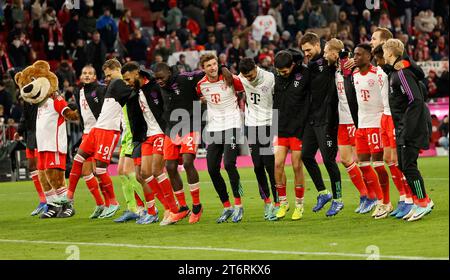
38	85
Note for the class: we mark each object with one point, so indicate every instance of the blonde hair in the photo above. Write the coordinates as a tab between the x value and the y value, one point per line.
335	44
395	46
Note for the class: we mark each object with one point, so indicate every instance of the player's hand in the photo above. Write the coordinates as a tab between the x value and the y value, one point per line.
16	136
227	76
350	64
203	99
399	65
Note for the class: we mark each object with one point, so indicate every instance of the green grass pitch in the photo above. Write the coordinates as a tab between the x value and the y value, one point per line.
346	236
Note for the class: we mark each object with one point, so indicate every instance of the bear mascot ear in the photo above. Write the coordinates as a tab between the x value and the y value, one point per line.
42	65
18	78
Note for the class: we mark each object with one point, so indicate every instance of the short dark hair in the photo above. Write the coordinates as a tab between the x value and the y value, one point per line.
309	37
283	59
385	34
246	65
162	66
378	51
366	47
130	67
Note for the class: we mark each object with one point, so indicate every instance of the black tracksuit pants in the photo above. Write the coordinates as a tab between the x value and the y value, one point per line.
407	161
314	138
260	142
224	143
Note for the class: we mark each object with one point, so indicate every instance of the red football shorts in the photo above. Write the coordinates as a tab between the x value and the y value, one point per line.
137	161
188	144
51	160
293	143
388	132
368	141
346	135
83	138
153	145
100	144
31	153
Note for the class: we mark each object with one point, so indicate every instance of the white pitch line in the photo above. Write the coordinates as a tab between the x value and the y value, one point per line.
275	252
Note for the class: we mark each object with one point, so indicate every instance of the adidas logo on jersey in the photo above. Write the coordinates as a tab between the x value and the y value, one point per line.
52	163
377	147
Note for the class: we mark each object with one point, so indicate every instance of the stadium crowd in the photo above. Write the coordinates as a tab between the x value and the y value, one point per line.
71	38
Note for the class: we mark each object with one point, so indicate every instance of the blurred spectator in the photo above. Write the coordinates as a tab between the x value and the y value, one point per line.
397	27
223	59
329	10
385	21
431	83
291	25
363	36
17	11
65	73
2	115
64	15
212	45
235	53
19	51
107	27
88	24
182	65
79	57
173	43
5	61
127	26
275	11
137	48
351	12
443	129
252	50
53	35
366	20
316	18
191	11
425	21
435	134
234	15
158	59
174	16
162	50
16	111
211	12
71	31
96	54
343	21
37	10
5	100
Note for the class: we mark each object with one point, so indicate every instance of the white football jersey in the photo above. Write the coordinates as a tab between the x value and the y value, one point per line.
383	80
345	116
153	127
86	113
110	116
370	101
222	104
51	132
259	98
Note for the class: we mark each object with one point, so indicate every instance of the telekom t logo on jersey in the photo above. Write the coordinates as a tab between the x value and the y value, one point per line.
215	98
365	94
340	87
84	104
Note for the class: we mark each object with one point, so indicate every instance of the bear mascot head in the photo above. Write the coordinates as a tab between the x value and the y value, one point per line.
37	82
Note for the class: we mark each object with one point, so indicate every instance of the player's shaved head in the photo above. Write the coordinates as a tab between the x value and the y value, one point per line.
162	73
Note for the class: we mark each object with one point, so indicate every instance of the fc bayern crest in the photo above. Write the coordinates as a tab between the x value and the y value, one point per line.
264	89
371	83
298	76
